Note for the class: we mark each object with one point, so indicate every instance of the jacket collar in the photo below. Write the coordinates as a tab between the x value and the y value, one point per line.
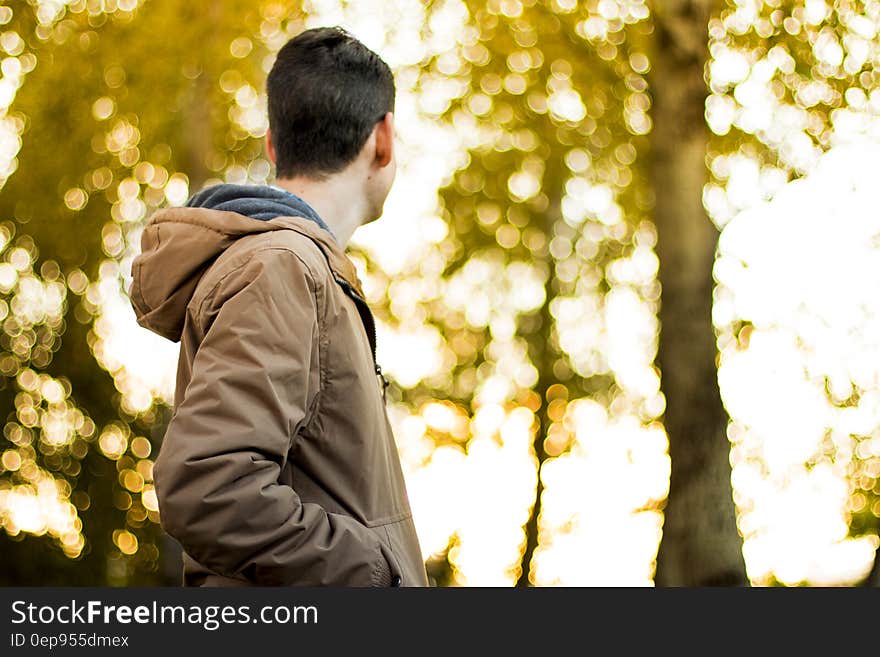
340	264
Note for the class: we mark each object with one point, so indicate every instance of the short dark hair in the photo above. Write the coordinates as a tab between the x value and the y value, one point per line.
326	92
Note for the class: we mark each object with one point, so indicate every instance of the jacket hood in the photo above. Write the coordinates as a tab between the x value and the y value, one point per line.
262	202
178	245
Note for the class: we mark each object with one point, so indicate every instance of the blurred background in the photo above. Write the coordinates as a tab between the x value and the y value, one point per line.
562	163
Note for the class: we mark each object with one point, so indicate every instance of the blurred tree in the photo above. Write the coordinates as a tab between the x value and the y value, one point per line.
120	97
557	191
790	79
785	78
701	545
562	88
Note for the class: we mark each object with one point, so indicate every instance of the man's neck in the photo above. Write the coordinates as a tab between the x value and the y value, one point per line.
342	208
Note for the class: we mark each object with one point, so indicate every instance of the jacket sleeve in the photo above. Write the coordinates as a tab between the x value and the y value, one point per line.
217	474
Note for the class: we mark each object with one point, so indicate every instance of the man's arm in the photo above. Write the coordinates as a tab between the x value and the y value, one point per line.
217	473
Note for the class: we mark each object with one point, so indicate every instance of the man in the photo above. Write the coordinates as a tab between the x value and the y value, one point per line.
279	466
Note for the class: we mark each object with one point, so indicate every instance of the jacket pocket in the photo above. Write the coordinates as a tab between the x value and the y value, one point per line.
388	569
401	547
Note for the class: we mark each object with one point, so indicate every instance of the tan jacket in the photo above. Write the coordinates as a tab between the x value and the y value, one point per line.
279	466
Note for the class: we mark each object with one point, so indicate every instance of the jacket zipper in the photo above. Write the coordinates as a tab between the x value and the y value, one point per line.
369	325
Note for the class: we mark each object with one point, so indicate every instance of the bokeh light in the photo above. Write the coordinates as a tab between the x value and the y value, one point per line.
513	275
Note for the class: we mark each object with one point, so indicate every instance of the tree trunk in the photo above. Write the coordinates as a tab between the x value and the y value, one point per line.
545	380
543	354
873	577
701	545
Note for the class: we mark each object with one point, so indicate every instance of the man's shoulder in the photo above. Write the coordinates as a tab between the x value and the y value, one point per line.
278	248
279	254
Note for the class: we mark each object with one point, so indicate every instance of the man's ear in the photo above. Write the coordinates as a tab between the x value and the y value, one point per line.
270	147
385	140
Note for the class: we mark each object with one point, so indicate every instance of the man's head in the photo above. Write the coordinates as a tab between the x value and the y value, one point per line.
331	104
